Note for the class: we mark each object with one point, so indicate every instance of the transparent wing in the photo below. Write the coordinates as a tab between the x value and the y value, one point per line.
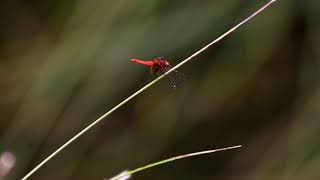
175	77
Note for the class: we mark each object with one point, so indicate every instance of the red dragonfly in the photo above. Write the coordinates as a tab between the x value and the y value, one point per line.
161	65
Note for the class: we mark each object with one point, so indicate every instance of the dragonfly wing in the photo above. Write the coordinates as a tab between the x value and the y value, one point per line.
175	77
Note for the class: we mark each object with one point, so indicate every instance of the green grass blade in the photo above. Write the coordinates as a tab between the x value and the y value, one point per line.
174	159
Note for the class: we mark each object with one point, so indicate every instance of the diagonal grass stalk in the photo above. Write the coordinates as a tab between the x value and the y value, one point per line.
144	88
174	159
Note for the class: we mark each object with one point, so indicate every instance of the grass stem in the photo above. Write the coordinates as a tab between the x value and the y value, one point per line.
174	159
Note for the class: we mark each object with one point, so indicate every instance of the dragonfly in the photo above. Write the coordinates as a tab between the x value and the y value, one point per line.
162	65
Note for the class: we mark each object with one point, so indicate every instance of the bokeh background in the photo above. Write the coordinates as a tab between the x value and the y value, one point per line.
65	63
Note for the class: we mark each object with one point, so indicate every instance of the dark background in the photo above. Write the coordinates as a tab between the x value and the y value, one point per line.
65	63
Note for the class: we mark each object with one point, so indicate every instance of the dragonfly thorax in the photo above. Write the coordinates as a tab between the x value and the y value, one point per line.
161	63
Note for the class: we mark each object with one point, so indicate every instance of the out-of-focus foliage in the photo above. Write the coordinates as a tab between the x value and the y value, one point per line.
65	63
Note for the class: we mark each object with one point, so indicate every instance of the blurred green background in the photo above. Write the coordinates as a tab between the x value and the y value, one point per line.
65	63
